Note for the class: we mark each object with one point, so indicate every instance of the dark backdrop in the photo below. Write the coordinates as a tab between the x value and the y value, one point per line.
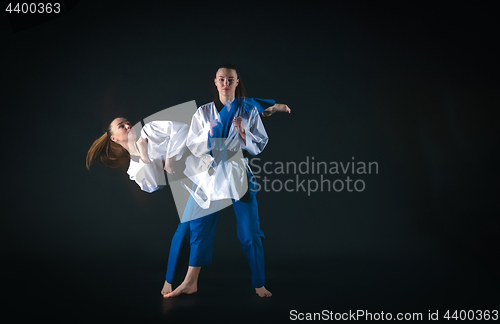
411	87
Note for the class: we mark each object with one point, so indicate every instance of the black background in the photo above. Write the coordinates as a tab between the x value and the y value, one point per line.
412	87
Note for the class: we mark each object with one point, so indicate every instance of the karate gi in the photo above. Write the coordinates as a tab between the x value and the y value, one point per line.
228	178
166	139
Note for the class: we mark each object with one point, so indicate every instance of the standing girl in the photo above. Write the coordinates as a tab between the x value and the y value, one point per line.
218	129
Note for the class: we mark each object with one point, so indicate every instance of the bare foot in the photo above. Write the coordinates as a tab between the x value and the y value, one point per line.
184	288
167	289
263	292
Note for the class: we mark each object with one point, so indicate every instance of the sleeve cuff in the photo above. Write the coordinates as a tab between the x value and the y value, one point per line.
249	146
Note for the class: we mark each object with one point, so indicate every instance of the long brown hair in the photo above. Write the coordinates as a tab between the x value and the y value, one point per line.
240	90
108	152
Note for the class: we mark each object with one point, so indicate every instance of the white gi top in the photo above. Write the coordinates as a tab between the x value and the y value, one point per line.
228	177
166	139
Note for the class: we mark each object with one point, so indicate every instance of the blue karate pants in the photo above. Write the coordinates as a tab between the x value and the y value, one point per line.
200	233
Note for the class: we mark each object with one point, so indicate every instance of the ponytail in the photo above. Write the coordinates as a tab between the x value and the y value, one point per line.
109	152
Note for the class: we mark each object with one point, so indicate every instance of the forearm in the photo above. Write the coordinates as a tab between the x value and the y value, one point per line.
170	160
145	159
144	155
269	111
243	136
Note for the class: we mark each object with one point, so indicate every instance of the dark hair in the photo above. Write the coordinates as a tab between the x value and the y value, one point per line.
240	89
108	152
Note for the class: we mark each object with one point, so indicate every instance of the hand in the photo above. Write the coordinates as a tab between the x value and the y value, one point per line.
213	124
238	124
276	108
132	136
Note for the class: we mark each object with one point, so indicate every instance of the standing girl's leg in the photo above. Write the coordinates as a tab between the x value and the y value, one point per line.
251	236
